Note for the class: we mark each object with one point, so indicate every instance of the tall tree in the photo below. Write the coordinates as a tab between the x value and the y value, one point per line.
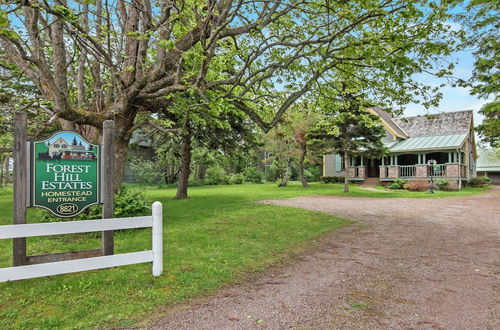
347	128
102	59
482	23
489	129
211	122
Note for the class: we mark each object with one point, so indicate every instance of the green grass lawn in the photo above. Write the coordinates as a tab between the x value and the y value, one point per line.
215	238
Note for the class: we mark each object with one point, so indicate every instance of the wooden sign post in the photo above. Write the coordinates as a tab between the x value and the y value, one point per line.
108	162
64	174
20	184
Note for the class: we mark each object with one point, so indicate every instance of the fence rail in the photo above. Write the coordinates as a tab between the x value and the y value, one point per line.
155	221
407	171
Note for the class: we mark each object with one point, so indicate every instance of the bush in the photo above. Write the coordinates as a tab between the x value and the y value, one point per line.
127	204
394	185
443	184
479	181
237	178
253	175
332	179
398	184
216	175
418	185
196	183
400	181
311	172
146	171
8	190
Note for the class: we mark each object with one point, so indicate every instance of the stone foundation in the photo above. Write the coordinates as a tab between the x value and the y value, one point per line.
454	185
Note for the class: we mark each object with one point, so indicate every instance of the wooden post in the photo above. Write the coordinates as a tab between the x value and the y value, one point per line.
108	163
157	239
20	185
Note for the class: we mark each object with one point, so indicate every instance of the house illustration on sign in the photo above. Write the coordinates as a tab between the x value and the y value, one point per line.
65	150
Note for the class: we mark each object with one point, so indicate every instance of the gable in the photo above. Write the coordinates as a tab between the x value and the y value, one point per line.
388	123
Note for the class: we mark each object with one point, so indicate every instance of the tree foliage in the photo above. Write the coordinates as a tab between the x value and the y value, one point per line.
112	59
483	23
347	128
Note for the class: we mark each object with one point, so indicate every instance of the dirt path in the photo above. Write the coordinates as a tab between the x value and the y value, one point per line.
407	264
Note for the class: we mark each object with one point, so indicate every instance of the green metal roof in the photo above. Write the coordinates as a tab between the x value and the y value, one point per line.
435	142
488	160
389	143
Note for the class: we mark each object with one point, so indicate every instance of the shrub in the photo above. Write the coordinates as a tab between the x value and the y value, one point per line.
443	184
479	181
398	184
418	185
146	171
237	178
130	203
311	172
253	175
216	175
400	181
127	204
394	185
196	183
332	179
8	190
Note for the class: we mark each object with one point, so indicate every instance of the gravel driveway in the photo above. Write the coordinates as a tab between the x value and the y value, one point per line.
406	264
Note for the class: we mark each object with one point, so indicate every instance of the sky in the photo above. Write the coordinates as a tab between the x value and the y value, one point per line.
454	98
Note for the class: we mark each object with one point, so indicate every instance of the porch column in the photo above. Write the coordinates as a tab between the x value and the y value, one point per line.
362	161
396	160
383	161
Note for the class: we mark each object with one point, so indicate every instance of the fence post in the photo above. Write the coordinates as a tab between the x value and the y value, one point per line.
157	239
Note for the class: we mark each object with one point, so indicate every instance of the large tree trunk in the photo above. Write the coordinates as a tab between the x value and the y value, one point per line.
303	152
346	169
121	150
182	186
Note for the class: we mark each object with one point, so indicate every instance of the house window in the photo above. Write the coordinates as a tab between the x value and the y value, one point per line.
56	145
64	146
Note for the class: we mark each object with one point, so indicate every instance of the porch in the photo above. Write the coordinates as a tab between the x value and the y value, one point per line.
451	165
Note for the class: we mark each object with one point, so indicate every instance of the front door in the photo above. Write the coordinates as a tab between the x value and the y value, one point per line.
373	168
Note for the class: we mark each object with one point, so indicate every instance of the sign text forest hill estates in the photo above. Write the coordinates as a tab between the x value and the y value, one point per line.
64	174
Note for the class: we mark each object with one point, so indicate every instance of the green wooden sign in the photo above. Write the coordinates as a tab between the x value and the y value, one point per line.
437	168
65	174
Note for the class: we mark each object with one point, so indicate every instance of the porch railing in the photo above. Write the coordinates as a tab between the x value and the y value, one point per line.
407	171
436	170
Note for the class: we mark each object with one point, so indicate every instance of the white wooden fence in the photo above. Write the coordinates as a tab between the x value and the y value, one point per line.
70	227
